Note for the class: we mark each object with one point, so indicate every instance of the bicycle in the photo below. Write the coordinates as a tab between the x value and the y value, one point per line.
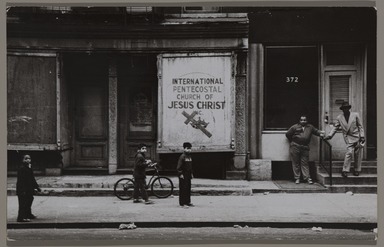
161	187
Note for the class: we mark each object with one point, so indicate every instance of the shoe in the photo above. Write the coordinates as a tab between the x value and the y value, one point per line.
149	202
344	174
310	181
356	173
184	206
190	205
23	220
32	216
297	181
137	201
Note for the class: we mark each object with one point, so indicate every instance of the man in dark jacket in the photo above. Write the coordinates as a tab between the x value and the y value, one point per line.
299	136
25	188
184	170
139	175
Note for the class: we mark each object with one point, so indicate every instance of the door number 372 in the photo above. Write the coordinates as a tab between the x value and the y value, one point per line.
292	79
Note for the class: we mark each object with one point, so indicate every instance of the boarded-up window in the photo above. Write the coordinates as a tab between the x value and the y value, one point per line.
31	98
339	92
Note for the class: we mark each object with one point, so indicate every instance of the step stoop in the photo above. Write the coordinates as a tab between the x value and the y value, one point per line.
366	182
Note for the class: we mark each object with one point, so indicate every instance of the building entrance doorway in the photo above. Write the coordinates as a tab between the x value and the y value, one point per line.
137	106
87	77
343	81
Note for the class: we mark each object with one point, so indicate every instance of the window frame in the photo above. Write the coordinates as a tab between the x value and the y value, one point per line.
314	119
204	9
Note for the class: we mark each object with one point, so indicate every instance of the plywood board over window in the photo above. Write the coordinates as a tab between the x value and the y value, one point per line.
197	93
31	100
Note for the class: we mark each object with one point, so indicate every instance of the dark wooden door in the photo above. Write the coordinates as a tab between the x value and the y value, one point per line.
137	80
91	126
88	80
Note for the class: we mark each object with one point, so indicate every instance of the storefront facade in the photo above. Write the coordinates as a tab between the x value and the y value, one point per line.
308	61
106	85
87	85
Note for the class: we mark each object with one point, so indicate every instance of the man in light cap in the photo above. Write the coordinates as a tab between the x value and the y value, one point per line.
353	133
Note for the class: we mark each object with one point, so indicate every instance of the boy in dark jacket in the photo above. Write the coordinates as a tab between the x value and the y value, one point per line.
184	171
139	175
25	187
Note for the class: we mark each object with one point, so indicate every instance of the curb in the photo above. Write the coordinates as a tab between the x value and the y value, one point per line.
109	192
83	225
203	191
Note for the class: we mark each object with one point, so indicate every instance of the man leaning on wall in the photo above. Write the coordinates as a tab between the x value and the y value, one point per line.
299	136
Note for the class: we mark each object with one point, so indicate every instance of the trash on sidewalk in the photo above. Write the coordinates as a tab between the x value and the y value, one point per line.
350	193
238	226
266	193
375	232
127	226
317	229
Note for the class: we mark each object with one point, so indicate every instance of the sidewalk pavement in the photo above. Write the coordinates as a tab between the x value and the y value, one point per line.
103	186
328	210
90	203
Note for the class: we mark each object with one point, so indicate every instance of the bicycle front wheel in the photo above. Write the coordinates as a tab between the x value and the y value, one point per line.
162	187
123	188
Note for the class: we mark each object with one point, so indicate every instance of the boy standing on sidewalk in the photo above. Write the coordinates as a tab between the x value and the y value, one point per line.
184	171
25	187
139	175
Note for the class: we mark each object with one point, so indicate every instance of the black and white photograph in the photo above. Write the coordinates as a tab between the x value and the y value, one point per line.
191	123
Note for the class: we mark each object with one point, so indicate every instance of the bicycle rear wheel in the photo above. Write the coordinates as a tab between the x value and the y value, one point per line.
162	187
123	188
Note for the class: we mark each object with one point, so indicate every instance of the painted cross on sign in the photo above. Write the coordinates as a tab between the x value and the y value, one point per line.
197	124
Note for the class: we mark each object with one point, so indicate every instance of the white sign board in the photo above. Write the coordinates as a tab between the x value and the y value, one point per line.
196	95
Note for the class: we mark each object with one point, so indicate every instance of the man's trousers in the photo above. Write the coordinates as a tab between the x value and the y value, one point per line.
300	159
356	152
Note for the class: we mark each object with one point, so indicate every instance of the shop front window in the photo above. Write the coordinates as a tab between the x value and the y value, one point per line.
201	9
141	109
291	86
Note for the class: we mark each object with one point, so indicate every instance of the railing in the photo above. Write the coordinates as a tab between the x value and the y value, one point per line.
330	158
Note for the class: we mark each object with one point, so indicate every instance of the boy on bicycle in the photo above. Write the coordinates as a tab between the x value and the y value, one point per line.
139	175
184	171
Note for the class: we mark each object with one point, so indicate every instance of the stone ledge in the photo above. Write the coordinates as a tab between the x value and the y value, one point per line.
236	175
260	170
53	171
